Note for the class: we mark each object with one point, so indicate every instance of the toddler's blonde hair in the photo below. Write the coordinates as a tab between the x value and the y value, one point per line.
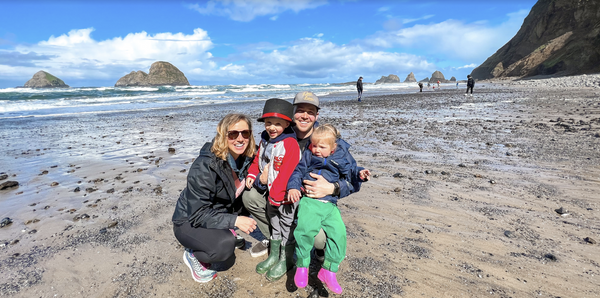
325	133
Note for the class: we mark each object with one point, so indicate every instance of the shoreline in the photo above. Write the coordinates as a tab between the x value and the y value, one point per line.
463	203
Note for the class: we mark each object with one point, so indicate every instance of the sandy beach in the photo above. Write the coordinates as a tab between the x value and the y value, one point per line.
495	195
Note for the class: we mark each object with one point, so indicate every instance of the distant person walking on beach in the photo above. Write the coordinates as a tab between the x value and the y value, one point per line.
420	87
278	154
438	82
470	84
359	87
326	156
209	208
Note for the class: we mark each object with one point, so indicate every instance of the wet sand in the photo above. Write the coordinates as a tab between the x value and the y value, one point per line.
463	203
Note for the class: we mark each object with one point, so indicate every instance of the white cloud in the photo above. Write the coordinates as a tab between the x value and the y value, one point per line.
247	10
312	58
319	35
472	65
472	42
77	55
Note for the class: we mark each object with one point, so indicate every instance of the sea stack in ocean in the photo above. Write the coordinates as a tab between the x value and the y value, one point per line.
437	76
410	78
161	74
42	79
389	79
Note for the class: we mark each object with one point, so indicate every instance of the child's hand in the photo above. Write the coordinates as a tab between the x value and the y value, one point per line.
294	195
365	175
264	176
249	182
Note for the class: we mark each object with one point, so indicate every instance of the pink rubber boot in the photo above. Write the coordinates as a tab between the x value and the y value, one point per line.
301	277
330	280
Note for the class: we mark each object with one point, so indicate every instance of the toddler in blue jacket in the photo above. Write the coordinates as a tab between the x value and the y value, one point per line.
327	156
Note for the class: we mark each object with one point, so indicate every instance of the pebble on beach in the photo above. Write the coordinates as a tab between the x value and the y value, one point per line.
9	184
5	222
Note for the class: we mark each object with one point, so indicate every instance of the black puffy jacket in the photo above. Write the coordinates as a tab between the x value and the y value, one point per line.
471	82
209	199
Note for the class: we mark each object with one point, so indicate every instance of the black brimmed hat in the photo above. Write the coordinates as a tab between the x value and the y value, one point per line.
278	108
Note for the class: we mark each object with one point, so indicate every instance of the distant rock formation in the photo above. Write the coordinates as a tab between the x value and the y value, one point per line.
425	80
161	74
557	37
42	79
437	76
452	79
410	78
389	79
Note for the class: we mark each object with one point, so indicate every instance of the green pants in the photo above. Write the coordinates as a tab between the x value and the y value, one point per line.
312	216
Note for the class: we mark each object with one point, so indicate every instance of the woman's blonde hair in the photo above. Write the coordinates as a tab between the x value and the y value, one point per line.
220	147
327	133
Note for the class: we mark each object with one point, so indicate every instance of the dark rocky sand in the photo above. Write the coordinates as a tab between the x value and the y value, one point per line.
465	201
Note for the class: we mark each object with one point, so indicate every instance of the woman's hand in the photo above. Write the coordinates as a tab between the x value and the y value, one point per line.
264	176
245	224
294	195
318	188
249	182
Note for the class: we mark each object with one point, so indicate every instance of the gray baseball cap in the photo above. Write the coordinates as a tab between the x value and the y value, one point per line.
306	97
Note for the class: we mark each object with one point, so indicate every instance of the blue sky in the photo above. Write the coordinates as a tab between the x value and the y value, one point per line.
94	43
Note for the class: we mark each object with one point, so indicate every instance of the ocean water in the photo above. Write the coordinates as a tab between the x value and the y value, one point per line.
26	102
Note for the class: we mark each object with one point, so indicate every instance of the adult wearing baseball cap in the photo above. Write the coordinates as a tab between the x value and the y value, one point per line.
306	113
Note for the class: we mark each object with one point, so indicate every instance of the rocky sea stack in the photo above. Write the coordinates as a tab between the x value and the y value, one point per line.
42	79
389	79
558	37
410	78
161	74
437	76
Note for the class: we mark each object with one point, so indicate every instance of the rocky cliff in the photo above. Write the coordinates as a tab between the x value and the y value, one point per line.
389	79
437	76
410	78
42	79
560	37
161	73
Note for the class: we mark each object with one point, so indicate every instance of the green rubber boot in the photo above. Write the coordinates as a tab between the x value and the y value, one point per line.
286	262
265	265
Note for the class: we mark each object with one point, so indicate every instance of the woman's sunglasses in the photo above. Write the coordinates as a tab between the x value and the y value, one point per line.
233	134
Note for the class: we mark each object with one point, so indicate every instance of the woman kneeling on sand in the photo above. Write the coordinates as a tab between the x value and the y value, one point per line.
207	209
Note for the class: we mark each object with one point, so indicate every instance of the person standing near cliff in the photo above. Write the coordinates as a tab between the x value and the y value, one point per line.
470	84
420	87
359	87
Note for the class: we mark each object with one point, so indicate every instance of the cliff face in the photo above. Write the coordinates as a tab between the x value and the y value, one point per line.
161	73
559	37
42	79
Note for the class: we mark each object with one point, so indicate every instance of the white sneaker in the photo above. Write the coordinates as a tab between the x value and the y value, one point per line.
200	272
259	249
